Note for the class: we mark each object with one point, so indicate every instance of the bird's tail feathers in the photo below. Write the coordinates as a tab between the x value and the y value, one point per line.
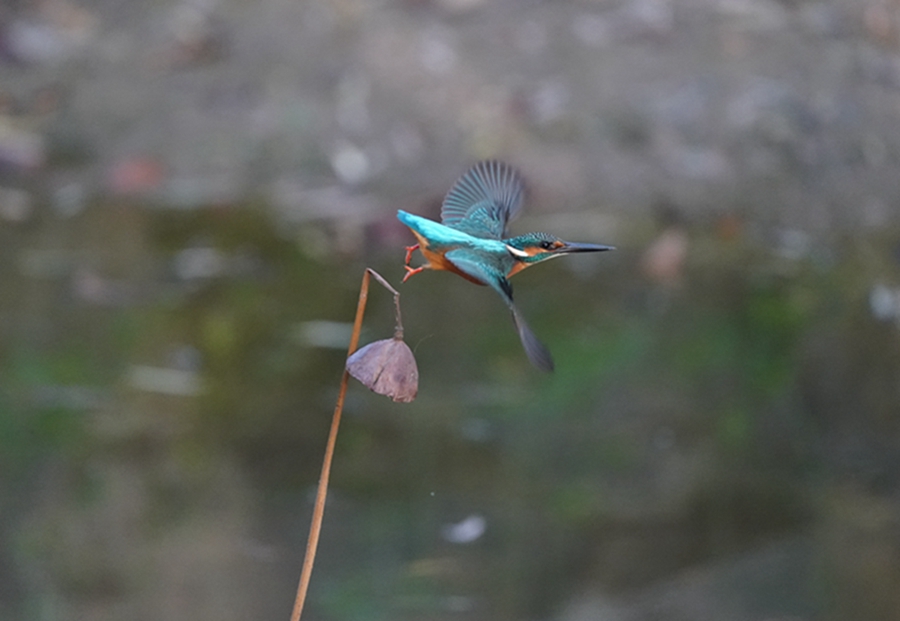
537	353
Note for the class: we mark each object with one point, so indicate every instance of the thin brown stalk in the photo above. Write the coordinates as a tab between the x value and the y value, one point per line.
322	491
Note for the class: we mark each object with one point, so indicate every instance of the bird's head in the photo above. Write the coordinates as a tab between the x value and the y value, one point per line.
533	248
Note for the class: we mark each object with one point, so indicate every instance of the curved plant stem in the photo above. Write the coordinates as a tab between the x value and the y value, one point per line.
319	508
398	325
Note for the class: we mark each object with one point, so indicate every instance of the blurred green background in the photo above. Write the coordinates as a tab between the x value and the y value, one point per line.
191	190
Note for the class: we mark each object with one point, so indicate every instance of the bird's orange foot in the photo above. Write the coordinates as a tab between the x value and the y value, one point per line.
411	270
409	251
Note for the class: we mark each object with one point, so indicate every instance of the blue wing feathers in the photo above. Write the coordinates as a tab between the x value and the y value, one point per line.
484	200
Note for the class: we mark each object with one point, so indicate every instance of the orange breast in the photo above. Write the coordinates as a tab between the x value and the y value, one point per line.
518	267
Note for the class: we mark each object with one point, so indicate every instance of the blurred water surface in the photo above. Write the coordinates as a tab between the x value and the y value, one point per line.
189	193
164	417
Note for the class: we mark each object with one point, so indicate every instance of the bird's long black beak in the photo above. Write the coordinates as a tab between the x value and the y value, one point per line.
572	247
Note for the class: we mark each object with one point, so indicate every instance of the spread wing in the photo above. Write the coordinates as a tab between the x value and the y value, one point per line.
484	200
467	261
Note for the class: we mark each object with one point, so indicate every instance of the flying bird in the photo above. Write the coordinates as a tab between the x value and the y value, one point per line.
472	240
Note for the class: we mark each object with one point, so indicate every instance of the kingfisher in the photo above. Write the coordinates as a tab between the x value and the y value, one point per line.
472	240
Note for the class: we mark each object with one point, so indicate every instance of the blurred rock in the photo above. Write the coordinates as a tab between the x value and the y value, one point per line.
90	287
793	244
647	17
165	381
266	92
635	20
351	164
884	302
764	15
467	530
460	6
199	263
197	37
437	53
15	204
21	150
549	102
69	199
53	34
186	358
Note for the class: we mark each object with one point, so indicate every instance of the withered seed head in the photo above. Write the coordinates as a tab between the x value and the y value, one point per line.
387	367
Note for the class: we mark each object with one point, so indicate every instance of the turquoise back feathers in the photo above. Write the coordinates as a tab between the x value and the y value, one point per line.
441	236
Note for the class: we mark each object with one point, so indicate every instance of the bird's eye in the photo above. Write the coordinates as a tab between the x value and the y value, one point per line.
547	245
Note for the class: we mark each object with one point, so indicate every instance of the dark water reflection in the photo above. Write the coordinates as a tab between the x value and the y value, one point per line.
719	442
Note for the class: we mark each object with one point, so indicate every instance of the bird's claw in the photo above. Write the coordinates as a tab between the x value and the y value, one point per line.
411	270
409	251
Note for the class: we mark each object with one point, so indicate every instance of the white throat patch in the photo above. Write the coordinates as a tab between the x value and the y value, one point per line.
517	253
